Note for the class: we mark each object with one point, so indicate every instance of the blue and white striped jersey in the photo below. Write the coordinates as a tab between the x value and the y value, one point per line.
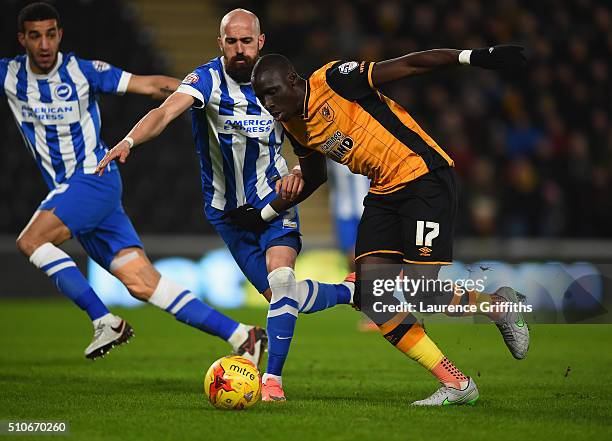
57	113
238	141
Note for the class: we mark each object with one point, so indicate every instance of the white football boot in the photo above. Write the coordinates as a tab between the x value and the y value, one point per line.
254	345
446	396
512	325
108	333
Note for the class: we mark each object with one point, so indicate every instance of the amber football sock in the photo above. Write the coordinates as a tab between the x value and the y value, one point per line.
407	335
450	375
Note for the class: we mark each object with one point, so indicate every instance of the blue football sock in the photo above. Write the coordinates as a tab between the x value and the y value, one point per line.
188	309
199	315
282	316
68	279
315	296
72	283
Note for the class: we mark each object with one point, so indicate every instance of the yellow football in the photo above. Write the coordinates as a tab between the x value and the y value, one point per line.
232	382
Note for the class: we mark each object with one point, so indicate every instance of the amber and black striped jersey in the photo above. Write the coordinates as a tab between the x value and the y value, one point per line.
348	119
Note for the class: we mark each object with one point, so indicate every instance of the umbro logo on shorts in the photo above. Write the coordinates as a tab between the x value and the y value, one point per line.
425	251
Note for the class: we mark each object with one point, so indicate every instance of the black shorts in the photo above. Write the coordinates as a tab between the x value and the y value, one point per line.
416	223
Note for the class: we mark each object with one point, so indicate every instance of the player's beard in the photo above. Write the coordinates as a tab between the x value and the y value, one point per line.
242	73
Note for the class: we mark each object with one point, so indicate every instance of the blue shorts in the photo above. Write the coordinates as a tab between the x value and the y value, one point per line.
346	233
90	206
249	249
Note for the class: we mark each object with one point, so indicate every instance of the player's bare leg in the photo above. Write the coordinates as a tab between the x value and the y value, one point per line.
365	324
144	282
38	242
403	331
43	227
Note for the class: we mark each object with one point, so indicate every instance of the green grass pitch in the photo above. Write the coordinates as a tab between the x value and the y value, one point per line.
340	383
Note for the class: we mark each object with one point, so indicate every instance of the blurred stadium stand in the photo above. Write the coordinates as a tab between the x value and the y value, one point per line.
534	153
187	34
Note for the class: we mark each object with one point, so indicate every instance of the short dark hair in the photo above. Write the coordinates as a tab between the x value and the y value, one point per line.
37	12
273	62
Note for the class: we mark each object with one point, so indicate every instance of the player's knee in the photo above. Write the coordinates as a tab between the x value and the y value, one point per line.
21	245
26	244
426	272
267	294
281	281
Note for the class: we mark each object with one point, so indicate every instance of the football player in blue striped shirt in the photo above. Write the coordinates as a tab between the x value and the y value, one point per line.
239	143
53	97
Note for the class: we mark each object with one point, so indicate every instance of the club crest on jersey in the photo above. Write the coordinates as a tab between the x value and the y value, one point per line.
337	146
327	112
100	66
346	68
62	91
191	78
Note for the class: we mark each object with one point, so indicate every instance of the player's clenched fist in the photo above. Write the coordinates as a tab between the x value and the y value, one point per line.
290	186
501	57
121	151
246	217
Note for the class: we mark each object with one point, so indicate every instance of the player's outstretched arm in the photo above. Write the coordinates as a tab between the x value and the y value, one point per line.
158	87
502	57
150	126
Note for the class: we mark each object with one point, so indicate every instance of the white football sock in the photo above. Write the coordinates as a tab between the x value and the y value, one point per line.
108	319
278	378
238	336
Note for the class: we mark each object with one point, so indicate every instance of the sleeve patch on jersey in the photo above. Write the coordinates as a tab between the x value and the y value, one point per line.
191	78
346	68
100	66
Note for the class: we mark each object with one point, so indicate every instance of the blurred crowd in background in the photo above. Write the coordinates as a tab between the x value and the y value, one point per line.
533	152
